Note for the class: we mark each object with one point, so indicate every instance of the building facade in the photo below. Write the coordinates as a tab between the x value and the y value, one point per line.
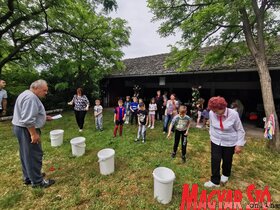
236	81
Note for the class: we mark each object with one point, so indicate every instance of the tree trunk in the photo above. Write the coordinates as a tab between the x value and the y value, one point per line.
268	101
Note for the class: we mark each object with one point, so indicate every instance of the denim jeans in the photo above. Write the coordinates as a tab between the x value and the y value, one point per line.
141	132
167	120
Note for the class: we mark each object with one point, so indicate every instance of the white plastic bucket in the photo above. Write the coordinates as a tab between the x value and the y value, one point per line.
163	184
106	161
78	146
56	137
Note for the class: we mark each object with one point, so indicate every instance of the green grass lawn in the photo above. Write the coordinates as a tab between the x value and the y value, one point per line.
79	184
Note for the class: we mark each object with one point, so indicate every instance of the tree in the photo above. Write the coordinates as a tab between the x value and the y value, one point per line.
43	28
234	27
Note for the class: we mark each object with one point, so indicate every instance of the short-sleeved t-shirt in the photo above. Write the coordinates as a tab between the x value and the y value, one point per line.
152	108
180	123
134	106
98	109
120	112
142	115
3	94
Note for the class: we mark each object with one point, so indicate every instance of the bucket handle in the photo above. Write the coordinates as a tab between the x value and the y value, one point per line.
103	159
79	145
164	181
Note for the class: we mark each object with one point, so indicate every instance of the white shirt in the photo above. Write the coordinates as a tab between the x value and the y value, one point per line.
152	108
3	94
98	109
233	133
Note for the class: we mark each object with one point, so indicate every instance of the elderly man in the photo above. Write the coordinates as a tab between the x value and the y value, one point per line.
29	117
3	98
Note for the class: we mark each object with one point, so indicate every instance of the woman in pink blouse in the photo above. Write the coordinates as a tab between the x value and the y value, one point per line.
227	137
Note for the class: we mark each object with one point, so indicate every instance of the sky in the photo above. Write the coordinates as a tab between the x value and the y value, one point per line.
144	39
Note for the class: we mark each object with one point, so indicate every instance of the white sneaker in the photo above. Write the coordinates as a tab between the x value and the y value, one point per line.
80	130
152	127
224	179
210	184
149	126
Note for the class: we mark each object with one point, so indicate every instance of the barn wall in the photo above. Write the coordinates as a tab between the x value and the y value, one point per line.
242	85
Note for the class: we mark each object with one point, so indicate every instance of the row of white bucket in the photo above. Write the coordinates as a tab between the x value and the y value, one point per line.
78	144
163	177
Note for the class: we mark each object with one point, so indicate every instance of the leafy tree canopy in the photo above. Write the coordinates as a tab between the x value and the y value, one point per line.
44	32
234	27
216	23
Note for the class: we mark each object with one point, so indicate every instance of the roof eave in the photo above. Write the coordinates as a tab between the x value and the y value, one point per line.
191	72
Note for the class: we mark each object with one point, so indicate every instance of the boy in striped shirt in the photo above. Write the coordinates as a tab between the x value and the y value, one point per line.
119	117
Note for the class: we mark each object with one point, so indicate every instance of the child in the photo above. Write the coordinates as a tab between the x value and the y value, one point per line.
134	109
142	122
205	117
98	115
127	108
152	112
119	117
181	123
140	100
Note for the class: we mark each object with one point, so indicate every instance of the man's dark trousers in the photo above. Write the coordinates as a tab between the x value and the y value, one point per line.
30	155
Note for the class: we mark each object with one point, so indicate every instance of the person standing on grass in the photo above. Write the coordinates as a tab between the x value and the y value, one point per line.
152	112
3	98
171	110
227	137
127	108
98	109
119	118
134	110
181	124
81	106
29	116
142	122
159	103
140	100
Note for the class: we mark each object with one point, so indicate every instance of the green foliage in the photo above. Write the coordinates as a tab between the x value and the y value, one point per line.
70	43
18	79
205	23
43	33
61	86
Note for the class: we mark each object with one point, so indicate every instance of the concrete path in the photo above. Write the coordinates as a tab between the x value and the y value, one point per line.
253	131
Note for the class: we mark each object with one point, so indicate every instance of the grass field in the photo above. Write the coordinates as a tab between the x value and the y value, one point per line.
79	184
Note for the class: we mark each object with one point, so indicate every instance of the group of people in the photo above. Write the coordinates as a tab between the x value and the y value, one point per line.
226	131
179	122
